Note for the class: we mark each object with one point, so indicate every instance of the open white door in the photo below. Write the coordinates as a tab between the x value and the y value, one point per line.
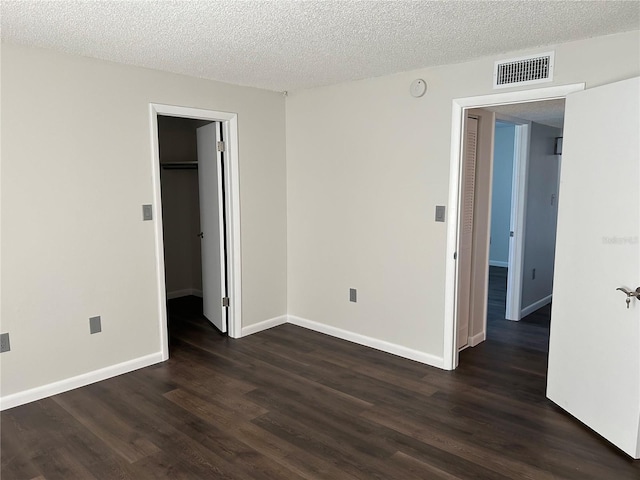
594	350
513	310
211	224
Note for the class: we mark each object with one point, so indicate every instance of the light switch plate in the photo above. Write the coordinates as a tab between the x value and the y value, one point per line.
147	212
440	212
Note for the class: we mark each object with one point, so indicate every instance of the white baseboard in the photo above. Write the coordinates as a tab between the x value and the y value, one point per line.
184	293
388	347
31	395
498	263
264	325
535	306
477	339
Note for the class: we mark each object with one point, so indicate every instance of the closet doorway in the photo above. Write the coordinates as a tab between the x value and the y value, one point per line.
197	228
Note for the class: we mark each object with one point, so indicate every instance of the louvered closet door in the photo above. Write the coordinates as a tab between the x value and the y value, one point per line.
469	150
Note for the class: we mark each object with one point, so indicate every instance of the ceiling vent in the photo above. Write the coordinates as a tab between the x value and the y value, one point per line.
523	70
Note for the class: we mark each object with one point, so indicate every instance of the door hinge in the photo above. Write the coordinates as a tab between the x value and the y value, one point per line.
225	301
220	146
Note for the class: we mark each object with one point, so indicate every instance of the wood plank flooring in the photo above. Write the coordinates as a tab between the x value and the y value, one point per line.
532	332
289	403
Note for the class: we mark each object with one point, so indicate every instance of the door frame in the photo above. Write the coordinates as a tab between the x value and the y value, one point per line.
459	105
232	213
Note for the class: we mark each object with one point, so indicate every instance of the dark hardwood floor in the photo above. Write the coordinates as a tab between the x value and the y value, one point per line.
531	333
289	403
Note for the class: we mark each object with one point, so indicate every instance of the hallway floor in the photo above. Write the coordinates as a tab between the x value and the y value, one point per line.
531	332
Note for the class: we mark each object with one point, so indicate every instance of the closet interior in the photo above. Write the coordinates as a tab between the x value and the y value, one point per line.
180	205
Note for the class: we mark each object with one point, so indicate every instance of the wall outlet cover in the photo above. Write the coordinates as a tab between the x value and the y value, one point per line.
5	346
95	325
353	295
147	212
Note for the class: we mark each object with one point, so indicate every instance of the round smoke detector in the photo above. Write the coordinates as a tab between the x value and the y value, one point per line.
418	88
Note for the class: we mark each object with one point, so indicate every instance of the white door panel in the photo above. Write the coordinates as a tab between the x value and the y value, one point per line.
211	224
594	350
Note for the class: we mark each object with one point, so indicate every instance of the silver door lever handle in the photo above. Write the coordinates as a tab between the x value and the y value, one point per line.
630	293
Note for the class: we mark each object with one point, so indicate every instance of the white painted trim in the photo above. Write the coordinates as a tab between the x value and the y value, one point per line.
185	292
477	339
158	233
264	325
497	263
33	394
382	345
535	306
232	183
450	352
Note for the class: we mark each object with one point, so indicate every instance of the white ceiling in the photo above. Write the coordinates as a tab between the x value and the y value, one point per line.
548	112
288	45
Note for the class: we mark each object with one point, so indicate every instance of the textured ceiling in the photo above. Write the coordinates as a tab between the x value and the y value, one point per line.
548	112
288	45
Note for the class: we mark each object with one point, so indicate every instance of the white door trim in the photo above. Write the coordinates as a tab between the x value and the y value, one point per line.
232	211
450	353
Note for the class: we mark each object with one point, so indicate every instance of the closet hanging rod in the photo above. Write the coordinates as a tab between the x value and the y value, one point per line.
179	165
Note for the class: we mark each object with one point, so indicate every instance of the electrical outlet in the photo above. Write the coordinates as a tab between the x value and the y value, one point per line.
353	295
147	212
5	346
95	325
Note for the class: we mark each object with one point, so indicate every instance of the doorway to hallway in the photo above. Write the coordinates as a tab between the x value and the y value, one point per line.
509	200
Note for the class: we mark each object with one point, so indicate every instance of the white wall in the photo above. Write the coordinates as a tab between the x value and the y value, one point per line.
501	193
541	215
366	166
76	168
